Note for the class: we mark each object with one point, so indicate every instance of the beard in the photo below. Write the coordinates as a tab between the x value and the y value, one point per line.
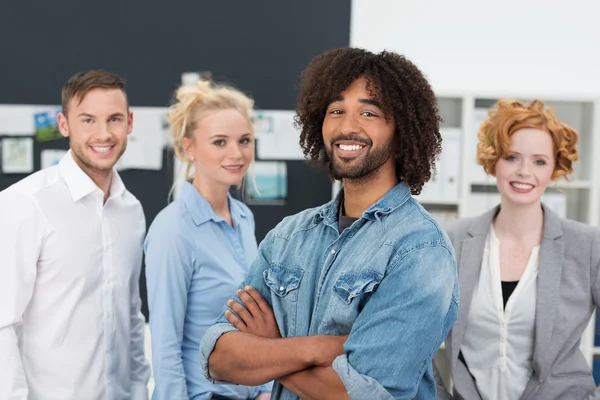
361	167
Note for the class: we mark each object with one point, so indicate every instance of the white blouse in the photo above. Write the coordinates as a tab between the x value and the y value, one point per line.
498	343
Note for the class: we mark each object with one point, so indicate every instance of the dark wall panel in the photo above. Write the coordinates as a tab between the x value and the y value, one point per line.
261	47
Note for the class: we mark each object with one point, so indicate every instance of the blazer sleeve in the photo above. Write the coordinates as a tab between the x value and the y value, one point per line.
595	279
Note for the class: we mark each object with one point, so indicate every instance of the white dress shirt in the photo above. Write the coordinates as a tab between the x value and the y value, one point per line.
498	343
70	319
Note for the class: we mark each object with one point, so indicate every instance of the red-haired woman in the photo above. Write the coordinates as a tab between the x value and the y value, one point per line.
528	279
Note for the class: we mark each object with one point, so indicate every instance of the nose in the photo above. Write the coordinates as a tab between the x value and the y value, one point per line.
523	168
349	124
104	133
234	153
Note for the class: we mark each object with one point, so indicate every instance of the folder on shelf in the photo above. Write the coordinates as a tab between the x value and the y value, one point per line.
449	165
476	174
431	190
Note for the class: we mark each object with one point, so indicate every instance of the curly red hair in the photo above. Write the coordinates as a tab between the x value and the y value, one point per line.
507	117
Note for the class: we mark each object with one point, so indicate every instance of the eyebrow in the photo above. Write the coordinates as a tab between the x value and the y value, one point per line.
226	136
110	116
370	102
533	155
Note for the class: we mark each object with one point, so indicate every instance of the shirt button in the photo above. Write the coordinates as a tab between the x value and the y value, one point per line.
332	251
281	288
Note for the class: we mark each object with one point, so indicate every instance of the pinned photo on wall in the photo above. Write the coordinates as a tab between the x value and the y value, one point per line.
16	120
277	137
146	142
268	186
46	126
50	157
262	123
17	155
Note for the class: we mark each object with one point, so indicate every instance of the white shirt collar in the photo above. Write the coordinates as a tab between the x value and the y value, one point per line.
80	184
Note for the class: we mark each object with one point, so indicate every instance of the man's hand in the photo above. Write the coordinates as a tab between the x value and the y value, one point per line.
263	396
256	318
328	348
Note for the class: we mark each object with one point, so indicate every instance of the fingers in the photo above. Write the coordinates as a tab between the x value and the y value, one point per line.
258	299
251	305
240	310
235	321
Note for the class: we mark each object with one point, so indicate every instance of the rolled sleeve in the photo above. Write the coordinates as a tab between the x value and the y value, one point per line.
413	320
208	343
359	386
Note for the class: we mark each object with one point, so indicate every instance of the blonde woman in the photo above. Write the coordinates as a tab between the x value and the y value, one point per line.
528	278
200	246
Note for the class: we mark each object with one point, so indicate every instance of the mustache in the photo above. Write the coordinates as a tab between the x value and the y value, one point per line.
351	138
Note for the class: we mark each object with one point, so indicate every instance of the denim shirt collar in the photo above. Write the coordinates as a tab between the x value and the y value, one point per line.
390	201
201	210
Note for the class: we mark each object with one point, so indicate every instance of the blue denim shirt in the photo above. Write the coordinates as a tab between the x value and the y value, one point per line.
194	261
389	281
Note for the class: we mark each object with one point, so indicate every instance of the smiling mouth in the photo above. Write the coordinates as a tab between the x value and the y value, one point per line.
349	150
233	168
522	186
102	149
350	147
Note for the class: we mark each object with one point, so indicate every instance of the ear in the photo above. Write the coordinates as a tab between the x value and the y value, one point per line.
130	122
186	145
63	124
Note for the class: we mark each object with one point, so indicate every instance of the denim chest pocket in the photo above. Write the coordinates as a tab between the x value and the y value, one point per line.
284	284
351	284
283	280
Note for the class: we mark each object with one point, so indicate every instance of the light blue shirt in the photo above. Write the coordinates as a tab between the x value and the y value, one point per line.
195	261
389	281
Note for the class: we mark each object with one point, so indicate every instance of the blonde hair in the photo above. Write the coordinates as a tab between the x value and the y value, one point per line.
507	117
193	102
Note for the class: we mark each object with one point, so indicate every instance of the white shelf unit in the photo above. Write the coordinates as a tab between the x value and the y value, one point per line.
474	192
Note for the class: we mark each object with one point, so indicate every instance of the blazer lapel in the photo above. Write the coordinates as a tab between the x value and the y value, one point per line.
471	257
548	288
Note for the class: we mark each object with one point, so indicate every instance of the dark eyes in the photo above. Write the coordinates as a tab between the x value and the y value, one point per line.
364	113
223	142
539	162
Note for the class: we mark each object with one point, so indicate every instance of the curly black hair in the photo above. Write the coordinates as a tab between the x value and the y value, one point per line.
393	81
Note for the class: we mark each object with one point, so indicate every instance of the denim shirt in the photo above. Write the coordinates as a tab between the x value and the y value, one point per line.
194	261
389	281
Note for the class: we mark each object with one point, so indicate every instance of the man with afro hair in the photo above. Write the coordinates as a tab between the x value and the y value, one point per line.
351	299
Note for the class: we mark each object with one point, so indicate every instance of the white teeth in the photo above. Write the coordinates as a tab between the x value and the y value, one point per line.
102	149
522	186
233	168
350	147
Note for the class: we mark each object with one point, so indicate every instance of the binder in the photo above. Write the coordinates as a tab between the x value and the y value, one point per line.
449	166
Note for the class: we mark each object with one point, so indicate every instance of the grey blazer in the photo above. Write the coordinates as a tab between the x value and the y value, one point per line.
568	290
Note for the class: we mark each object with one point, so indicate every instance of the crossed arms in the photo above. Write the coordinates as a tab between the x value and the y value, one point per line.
257	353
387	354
